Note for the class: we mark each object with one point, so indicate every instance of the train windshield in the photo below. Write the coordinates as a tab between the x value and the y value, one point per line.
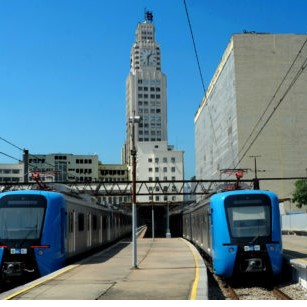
21	216
249	216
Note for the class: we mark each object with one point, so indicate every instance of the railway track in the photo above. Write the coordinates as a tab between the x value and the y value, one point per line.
257	293
247	291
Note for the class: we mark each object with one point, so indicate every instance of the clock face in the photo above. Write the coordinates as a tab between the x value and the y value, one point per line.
148	57
152	59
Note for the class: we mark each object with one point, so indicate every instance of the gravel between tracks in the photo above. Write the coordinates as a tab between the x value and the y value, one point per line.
295	291
218	291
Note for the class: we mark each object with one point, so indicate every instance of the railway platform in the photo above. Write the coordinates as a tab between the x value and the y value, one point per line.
167	269
295	255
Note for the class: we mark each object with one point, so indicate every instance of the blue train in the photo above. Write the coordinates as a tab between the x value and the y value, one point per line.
239	230
40	231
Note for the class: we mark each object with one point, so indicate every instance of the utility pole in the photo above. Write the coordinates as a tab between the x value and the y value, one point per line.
133	120
26	165
256	181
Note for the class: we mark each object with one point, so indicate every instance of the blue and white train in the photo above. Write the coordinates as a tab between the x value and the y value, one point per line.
40	231
239	230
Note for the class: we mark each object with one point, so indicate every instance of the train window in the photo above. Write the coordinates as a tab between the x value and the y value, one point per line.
88	221
95	222
249	216
81	222
71	222
22	216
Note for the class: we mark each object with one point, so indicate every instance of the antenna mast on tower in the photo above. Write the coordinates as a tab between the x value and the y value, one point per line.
148	16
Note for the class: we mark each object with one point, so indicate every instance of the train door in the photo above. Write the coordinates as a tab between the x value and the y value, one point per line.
100	229
71	232
209	229
89	230
191	231
202	224
63	231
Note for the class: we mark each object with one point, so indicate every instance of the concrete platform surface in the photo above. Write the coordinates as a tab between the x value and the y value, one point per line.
168	269
295	244
295	253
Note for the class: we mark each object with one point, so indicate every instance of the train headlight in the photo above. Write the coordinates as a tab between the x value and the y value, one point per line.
40	252
273	248
231	250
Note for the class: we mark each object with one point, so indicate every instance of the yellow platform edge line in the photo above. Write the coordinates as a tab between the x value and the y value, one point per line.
62	271
193	294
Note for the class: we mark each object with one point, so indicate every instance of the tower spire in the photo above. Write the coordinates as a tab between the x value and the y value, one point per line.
148	16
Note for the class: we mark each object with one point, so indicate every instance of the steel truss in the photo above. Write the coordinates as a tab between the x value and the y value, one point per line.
145	188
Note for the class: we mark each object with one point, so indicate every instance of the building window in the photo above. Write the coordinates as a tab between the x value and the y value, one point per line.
164	160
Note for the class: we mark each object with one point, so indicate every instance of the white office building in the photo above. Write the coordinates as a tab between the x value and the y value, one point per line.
12	173
255	108
62	167
159	163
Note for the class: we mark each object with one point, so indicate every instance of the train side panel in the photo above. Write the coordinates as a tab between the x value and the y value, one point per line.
274	248
40	230
51	254
223	254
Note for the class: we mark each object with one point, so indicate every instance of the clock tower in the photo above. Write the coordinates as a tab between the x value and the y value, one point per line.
146	117
146	88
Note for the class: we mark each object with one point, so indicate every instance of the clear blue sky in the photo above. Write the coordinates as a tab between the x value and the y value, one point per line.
64	64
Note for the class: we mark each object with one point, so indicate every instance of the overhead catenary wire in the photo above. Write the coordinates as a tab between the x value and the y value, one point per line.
199	68
10	143
23	150
9	156
194	45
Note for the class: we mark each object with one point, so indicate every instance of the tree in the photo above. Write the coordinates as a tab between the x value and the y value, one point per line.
300	193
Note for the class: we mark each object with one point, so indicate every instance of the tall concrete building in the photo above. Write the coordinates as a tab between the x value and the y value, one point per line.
255	108
146	86
146	101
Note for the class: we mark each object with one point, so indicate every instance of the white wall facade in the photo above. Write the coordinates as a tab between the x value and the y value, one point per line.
12	172
66	167
236	119
157	161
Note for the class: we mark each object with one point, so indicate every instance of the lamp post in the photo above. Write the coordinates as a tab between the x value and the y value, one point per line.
168	233
133	120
